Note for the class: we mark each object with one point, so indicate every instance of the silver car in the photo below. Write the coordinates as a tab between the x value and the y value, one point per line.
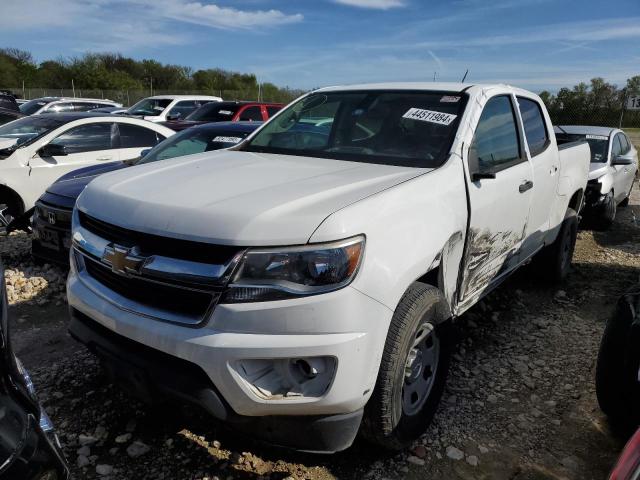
614	166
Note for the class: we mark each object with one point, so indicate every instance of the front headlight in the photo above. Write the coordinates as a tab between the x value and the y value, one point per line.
290	272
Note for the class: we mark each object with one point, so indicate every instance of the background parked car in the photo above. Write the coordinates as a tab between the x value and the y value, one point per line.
112	110
29	448
64	105
52	215
8	101
37	150
9	115
226	112
161	108
614	165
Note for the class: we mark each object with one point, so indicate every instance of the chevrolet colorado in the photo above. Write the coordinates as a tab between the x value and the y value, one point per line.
302	286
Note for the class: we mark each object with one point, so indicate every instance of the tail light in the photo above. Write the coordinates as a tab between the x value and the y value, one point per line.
628	466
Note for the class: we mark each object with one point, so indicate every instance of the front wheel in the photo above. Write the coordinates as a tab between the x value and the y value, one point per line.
413	370
604	219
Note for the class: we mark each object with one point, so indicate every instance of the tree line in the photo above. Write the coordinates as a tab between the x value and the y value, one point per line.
596	103
113	71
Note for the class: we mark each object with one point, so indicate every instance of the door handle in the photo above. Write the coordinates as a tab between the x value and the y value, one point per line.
528	185
104	159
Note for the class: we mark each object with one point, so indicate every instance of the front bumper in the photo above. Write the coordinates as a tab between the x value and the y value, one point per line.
344	325
51	241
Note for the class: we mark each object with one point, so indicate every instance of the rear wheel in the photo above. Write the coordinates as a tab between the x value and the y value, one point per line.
412	372
554	261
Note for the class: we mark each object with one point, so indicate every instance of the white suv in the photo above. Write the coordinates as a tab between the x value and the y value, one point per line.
64	105
161	108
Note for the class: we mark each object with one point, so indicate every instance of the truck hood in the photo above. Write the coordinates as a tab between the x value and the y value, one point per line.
596	170
236	198
72	184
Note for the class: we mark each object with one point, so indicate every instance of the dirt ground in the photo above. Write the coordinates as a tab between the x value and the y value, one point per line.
520	402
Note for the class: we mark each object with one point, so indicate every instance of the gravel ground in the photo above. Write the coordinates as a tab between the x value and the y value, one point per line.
520	401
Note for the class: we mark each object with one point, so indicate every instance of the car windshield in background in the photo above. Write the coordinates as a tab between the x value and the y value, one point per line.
29	128
392	128
32	106
213	112
192	141
149	106
597	143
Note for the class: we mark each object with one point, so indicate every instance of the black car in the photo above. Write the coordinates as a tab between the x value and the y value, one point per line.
52	215
29	448
9	115
8	101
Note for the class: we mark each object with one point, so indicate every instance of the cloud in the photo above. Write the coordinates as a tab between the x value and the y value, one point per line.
211	15
373	4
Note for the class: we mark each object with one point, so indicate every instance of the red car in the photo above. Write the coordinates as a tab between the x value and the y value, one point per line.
226	112
628	466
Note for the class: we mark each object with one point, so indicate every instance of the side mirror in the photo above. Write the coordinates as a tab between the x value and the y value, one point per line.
174	116
53	150
144	152
623	160
475	172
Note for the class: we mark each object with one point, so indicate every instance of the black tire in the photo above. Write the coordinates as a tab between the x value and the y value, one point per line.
553	263
617	385
10	209
604	219
386	422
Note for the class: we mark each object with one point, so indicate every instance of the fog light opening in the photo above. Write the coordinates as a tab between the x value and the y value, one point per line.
306	369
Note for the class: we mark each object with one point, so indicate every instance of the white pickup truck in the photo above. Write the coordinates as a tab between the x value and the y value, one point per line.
301	286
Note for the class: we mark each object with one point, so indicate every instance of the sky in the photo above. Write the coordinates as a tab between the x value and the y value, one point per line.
534	44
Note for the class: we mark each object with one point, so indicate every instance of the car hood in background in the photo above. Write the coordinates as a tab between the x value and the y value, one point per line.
179	125
236	198
72	184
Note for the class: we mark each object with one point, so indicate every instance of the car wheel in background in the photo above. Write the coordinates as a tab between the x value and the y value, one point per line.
413	370
617	382
608	214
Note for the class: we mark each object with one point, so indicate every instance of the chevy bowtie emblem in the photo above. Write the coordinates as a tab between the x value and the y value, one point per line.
122	260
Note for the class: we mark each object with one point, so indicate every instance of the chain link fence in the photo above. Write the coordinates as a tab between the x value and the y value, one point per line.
129	97
585	115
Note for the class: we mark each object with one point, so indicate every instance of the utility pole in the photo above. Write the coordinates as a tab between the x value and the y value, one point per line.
73	87
624	104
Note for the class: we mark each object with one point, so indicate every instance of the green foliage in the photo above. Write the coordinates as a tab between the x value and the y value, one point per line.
596	103
113	72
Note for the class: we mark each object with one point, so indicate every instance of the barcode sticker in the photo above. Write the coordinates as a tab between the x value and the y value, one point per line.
227	139
429	116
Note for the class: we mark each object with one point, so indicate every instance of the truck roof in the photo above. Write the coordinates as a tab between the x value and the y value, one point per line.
184	97
454	87
586	130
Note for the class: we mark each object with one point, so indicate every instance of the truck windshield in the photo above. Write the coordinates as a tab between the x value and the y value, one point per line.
403	128
597	143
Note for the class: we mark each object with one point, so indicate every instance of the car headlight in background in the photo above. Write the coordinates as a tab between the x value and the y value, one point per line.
290	272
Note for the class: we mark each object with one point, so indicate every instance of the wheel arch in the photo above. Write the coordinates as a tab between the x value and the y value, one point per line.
8	194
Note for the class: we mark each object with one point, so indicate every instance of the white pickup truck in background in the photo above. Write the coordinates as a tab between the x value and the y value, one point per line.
301	286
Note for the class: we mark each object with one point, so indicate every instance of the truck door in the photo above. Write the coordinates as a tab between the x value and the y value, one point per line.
499	188
545	164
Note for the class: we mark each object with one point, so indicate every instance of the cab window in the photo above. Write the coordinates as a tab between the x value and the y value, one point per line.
86	138
251	114
496	145
534	125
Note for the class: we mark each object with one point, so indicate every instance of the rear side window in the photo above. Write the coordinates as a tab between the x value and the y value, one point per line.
86	138
60	107
495	143
252	114
134	136
534	126
85	106
271	111
184	108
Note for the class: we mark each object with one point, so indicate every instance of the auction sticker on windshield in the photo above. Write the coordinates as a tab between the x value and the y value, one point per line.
227	139
429	116
597	137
